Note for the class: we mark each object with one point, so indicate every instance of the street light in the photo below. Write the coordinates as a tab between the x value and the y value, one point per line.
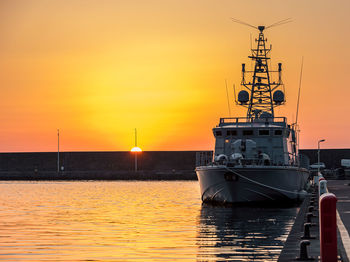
318	155
58	151
136	150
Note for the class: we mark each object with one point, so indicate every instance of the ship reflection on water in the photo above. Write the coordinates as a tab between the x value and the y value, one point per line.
242	233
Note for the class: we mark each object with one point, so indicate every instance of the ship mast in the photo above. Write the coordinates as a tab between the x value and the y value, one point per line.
261	101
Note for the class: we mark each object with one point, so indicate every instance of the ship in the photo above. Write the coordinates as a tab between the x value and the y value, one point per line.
256	156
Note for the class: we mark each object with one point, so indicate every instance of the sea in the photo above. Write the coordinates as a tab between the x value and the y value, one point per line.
133	221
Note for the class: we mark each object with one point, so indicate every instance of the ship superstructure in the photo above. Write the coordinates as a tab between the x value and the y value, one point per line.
260	129
255	156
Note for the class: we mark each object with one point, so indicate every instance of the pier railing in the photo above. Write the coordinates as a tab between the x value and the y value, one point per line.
327	221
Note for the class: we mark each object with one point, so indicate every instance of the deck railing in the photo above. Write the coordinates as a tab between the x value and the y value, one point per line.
236	120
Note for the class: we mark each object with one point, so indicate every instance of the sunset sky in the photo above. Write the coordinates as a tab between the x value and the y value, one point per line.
98	69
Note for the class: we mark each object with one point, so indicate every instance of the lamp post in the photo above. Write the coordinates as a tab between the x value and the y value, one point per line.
135	152
58	151
318	155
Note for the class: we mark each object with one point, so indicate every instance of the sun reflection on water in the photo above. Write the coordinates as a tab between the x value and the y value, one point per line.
129	221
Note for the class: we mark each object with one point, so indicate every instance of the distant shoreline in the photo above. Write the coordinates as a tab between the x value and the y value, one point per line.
117	165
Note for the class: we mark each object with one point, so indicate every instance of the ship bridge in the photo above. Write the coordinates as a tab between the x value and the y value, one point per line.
270	136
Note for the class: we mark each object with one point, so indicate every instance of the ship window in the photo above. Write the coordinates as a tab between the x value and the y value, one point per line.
264	132
231	132
278	132
218	133
248	132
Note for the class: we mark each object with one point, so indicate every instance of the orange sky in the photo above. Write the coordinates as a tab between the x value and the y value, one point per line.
98	69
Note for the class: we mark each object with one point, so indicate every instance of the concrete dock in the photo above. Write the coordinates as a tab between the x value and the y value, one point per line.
341	188
291	250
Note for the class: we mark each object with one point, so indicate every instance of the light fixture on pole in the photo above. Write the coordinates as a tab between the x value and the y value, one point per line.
318	155
136	150
58	151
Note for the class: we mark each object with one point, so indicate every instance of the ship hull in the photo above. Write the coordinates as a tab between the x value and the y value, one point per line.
252	184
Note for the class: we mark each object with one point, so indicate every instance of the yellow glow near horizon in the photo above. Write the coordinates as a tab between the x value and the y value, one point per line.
136	149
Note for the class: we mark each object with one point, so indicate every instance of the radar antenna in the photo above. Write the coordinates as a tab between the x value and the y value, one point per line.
282	22
262	28
242	23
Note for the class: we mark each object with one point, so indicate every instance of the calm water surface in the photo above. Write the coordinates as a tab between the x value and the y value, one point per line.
132	221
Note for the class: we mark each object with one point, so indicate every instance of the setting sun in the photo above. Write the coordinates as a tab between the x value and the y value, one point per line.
136	149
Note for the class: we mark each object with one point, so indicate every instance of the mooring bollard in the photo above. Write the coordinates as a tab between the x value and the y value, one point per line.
303	251
309	217
313	200
322	189
328	227
307	231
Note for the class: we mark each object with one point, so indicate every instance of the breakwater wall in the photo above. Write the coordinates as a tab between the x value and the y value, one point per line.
154	165
331	157
157	165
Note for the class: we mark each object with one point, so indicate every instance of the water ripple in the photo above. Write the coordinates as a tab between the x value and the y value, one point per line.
132	221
